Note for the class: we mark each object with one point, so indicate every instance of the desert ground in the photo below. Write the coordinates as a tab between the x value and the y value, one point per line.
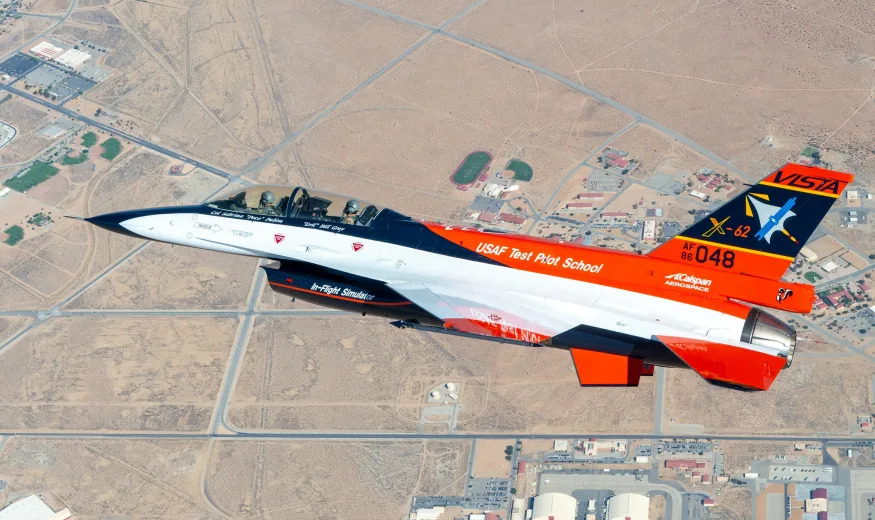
169	375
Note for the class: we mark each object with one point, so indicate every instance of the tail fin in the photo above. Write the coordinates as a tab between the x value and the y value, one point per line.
760	231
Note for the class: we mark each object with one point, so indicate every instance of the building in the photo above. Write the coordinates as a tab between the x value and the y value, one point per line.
594	447
554	506
829	266
819	493
837	299
815	505
46	50
809	255
510	218
648	232
628	506
708	502
697	194
591	195
73	58
578	205
680	463
32	508
519	509
560	445
431	513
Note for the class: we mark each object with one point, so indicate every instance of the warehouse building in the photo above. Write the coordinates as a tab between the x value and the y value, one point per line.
628	506
554	506
32	508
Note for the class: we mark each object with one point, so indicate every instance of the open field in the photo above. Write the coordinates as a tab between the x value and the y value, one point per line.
616	47
108	478
810	396
489	458
18	32
115	374
325	476
369	145
165	277
305	374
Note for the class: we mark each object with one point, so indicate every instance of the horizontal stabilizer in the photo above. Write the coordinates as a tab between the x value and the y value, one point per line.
602	369
719	362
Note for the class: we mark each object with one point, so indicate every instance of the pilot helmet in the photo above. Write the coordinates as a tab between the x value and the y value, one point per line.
351	207
267	198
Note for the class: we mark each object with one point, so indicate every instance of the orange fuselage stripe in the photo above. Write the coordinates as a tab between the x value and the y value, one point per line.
637	273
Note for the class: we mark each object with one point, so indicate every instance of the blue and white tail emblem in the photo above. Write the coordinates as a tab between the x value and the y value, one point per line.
772	218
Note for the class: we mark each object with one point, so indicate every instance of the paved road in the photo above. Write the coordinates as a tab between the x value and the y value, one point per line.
315	435
843	279
221	411
137	140
61	19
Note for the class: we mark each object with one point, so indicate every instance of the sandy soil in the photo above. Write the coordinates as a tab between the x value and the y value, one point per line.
796	402
116	373
327	476
489	458
108	478
754	90
197	280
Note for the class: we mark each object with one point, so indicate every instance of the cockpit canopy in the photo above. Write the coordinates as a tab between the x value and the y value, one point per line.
285	201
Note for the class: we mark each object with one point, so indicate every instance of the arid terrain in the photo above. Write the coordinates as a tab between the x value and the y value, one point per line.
146	380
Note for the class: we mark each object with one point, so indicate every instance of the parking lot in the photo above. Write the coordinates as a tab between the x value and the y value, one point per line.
792	473
61	83
18	65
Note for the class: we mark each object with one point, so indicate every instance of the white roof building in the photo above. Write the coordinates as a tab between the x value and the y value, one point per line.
73	58
46	50
431	513
32	508
628	506
555	506
829	266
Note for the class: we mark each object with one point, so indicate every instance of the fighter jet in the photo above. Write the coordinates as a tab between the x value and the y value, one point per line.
693	302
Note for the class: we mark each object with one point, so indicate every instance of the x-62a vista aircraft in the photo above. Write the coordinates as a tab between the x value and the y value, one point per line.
692	302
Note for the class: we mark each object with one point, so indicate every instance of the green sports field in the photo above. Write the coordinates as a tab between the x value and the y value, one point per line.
38	172
521	171
471	167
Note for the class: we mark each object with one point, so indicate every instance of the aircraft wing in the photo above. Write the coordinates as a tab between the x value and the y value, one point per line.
468	308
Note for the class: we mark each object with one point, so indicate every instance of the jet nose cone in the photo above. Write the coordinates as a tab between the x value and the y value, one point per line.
115	222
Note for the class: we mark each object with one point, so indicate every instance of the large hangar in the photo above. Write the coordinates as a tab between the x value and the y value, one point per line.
628	506
554	506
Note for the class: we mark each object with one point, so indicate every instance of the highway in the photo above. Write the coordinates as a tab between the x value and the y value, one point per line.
137	140
376	436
